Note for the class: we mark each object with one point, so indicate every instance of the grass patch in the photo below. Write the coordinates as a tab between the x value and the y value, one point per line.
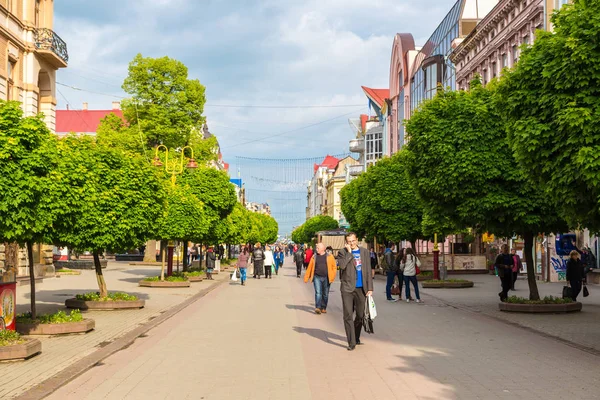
59	317
10	338
115	296
194	273
173	278
447	281
64	270
545	300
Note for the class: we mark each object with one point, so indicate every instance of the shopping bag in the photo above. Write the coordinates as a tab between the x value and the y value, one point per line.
234	277
367	320
586	292
372	309
567	292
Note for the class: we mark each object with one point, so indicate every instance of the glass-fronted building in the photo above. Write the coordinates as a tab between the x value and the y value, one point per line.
432	64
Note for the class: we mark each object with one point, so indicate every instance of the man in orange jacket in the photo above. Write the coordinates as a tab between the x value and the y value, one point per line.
321	272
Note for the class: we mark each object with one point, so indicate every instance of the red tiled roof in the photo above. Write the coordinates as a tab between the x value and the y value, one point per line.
330	162
81	121
378	96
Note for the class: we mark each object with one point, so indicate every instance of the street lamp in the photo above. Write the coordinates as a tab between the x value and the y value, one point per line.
175	168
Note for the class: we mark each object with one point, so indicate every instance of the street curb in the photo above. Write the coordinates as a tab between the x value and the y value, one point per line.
55	382
461	307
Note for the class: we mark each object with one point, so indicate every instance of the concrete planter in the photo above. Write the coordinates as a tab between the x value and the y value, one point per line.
104	305
541	308
164	284
196	278
421	278
21	351
447	285
65	273
78	264
56	329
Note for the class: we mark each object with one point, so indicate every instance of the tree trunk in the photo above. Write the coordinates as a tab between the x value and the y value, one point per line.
413	244
185	256
31	278
99	275
162	257
534	294
201	256
12	255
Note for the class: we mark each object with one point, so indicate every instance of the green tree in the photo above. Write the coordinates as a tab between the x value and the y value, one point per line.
462	168
383	204
27	157
112	199
551	101
307	231
165	103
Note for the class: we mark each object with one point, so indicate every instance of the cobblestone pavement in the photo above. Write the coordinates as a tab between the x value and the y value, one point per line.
59	352
581	328
263	341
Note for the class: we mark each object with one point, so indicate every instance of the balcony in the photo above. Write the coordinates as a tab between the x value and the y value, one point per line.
357	145
355	170
51	47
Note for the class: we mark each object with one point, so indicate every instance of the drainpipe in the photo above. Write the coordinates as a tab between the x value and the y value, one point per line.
545	15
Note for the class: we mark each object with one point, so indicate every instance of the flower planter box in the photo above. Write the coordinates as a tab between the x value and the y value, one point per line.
541	308
424	278
56	329
104	305
21	351
63	273
447	285
196	278
165	284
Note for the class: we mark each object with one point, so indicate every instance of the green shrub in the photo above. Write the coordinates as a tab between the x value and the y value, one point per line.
9	338
173	278
545	300
194	273
59	317
114	296
426	273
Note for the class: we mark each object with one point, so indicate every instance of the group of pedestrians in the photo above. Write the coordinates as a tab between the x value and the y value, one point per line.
404	267
263	261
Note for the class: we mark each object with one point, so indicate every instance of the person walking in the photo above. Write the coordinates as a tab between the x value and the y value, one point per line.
357	283
374	262
308	256
575	273
321	272
504	265
242	264
279	260
409	265
258	259
517	266
391	265
211	259
269	261
299	260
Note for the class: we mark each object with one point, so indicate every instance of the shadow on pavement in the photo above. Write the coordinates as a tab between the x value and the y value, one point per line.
322	335
308	309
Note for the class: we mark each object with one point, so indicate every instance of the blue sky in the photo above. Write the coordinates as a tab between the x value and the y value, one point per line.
248	52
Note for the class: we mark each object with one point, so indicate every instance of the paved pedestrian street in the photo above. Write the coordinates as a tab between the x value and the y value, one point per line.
263	341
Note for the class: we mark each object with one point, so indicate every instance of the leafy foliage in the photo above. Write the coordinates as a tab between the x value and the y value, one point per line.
60	317
10	338
112	296
172	278
183	216
165	103
545	300
307	231
263	228
382	203
551	102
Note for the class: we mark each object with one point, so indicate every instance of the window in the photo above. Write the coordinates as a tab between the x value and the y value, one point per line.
485	76
37	13
515	54
560	3
526	39
10	81
504	60
494	70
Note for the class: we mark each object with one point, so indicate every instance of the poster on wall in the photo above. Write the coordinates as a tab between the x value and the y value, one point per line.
7	306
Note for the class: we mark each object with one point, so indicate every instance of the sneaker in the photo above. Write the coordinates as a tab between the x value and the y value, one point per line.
317	311
391	300
418	300
323	311
408	300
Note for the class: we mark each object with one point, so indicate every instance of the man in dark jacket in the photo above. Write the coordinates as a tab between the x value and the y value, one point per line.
258	258
299	260
357	283
504	265
392	270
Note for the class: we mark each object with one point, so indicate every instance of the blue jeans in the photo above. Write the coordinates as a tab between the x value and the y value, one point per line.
391	276
321	284
243	274
415	282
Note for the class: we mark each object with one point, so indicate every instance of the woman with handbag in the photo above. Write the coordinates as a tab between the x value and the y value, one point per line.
242	264
575	273
410	264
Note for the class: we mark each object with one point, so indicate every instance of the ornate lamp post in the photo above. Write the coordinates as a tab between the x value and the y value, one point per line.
175	168
436	258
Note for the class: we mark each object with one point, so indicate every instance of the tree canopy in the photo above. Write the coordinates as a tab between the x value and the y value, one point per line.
307	231
551	101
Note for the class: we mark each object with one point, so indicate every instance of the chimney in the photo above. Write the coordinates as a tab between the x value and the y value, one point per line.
67	107
116	105
85	106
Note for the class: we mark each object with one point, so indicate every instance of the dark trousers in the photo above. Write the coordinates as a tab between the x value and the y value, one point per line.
258	268
415	282
515	275
353	302
506	281
268	271
575	288
298	268
321	284
391	277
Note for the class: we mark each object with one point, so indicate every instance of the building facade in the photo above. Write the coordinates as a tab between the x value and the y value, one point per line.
416	72
316	193
333	185
30	54
496	42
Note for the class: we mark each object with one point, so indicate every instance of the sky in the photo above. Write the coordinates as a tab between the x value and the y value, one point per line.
248	53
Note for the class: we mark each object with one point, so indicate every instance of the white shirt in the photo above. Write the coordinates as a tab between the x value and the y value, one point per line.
410	266
269	259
